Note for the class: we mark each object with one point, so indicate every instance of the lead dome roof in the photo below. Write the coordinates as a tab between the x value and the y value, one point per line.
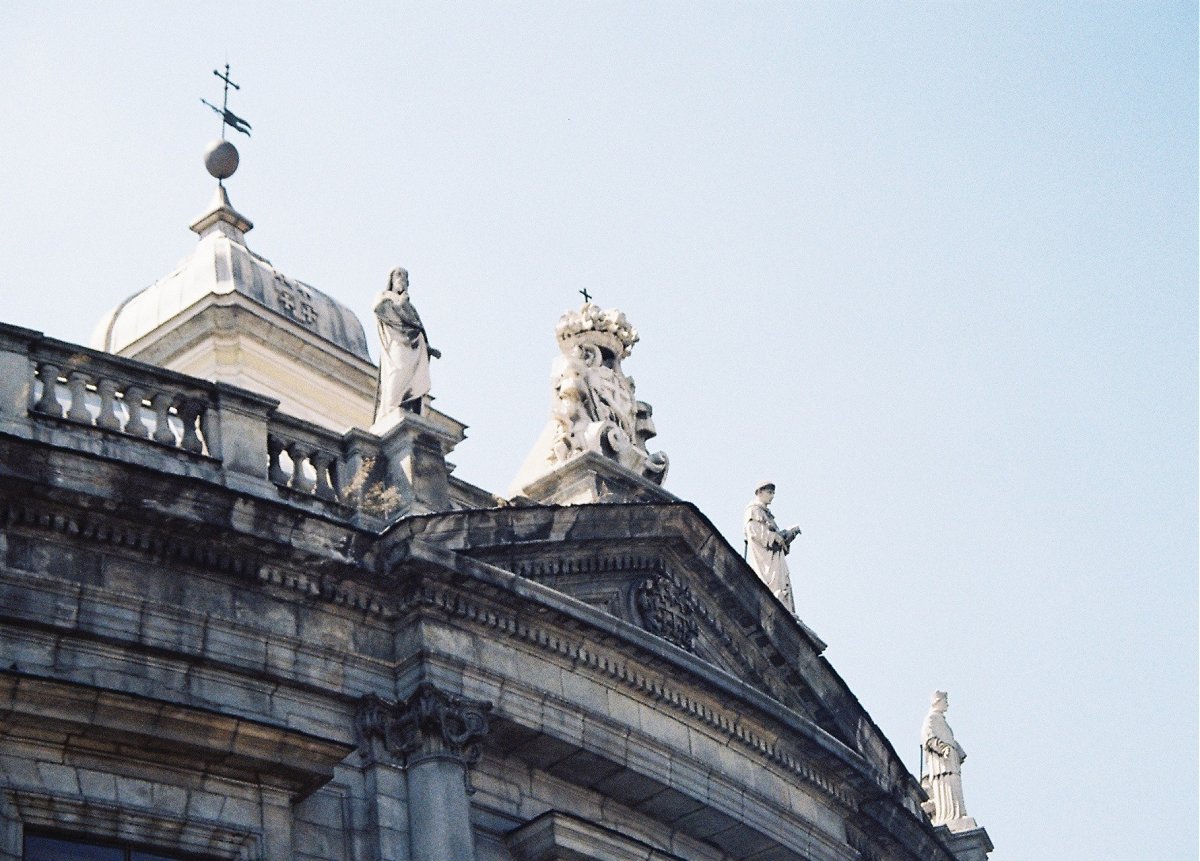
221	263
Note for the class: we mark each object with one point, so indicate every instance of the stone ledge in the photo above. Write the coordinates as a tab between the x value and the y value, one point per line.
970	844
557	836
471	608
149	826
87	634
241	749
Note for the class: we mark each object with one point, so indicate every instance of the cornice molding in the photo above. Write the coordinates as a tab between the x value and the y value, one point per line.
159	544
609	663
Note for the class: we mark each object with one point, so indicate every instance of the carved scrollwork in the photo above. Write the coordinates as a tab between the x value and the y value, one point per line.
429	723
668	609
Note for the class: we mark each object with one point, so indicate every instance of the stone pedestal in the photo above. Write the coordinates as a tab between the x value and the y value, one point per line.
414	448
968	842
590	477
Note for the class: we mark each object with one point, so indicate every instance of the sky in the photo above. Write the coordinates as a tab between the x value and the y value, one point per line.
929	267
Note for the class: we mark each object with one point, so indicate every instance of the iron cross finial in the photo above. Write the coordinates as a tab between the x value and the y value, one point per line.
586	296
228	117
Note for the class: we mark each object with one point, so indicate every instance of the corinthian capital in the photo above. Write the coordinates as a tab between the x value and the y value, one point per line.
430	723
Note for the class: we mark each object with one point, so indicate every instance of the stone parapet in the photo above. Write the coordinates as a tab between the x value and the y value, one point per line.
93	402
201	630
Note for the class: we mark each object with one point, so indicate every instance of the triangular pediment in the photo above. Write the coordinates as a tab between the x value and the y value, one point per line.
665	569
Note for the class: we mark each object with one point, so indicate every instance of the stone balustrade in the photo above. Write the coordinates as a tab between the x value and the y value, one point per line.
113	396
77	398
305	458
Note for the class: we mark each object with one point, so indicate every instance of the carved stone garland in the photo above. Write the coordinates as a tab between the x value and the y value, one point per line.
430	723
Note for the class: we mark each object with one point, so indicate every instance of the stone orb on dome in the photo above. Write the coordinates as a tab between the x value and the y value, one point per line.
221	159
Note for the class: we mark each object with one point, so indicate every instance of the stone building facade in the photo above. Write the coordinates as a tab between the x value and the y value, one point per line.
234	624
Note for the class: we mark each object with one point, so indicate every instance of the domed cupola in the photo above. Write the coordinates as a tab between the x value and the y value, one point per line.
227	314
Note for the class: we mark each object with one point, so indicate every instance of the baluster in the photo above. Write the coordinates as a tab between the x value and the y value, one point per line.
323	464
275	470
48	402
77	382
189	412
161	404
300	481
209	431
134	397
107	418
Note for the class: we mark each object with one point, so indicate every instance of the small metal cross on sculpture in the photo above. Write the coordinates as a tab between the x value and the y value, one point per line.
228	117
586	296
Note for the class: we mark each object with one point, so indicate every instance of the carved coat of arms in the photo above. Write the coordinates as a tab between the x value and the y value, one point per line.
667	609
595	407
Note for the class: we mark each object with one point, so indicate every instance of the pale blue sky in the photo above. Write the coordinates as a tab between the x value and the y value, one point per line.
932	267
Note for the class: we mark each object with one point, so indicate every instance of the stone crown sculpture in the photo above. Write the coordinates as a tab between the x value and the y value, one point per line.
594	404
608	330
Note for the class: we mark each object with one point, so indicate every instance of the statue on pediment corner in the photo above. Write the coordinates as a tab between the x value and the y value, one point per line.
941	769
767	545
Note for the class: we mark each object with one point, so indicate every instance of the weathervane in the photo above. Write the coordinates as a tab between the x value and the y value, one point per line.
228	117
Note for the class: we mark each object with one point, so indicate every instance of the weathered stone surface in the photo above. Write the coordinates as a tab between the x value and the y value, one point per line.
970	844
185	636
595	415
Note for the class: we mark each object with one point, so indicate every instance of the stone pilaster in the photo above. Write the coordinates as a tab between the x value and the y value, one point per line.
435	738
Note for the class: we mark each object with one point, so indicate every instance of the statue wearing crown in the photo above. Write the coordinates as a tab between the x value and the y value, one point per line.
595	408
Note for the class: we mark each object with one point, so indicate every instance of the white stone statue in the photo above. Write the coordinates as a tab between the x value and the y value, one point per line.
941	769
594	407
767	545
405	351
